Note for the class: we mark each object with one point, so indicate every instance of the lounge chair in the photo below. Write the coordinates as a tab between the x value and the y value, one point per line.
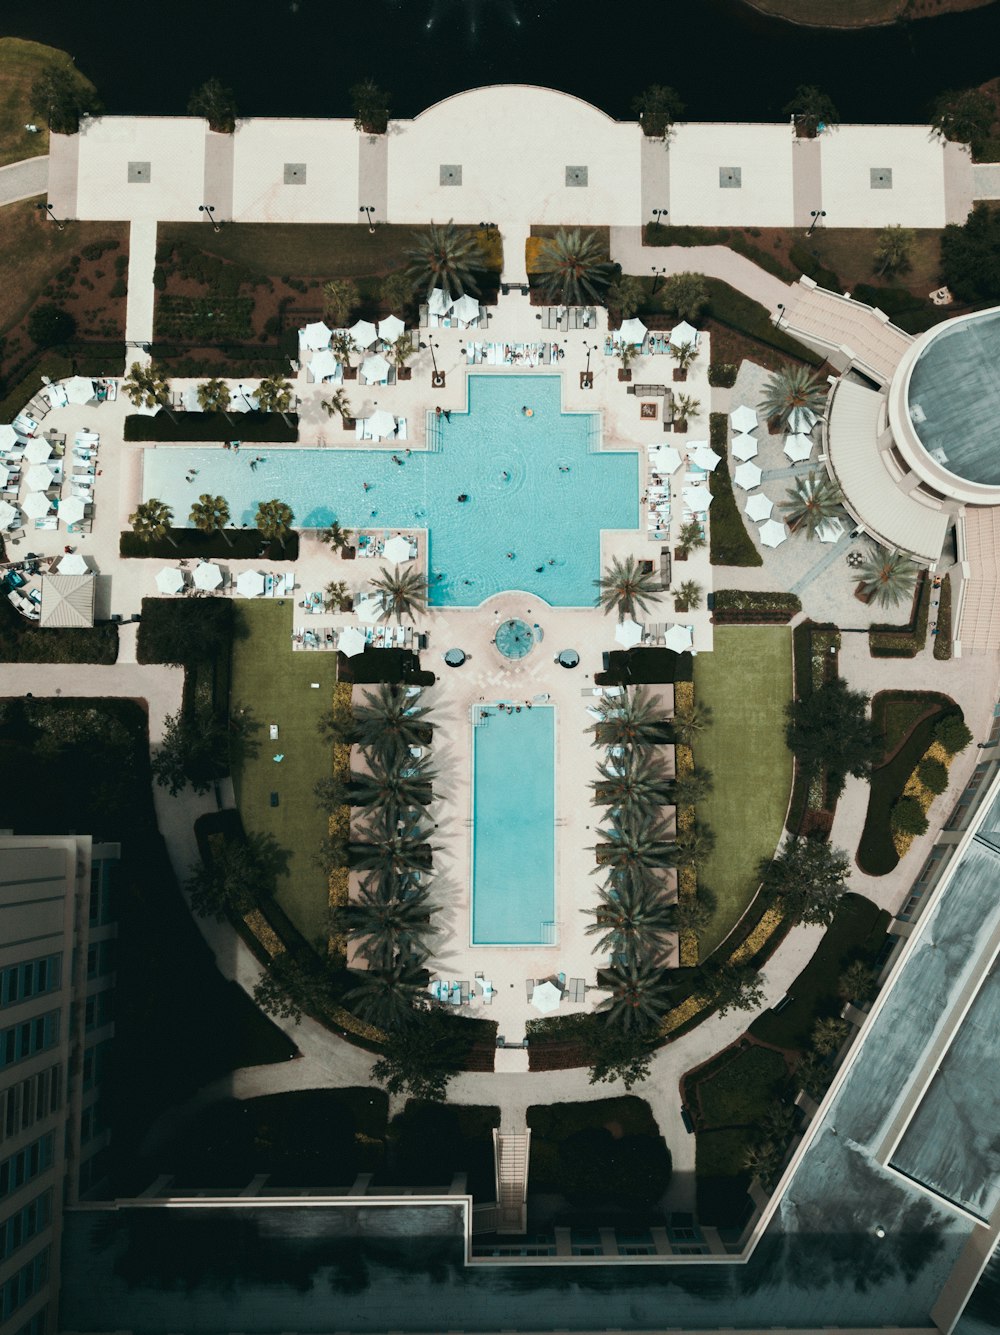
529	986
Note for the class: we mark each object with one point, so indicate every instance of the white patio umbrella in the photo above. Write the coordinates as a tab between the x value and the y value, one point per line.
72	509
798	448
545	997
772	533
4	475
629	633
466	308
831	530
364	333
391	328
323	364
36	504
369	610
38	477
758	507
315	337
37	451
207	576
743	418
747	476
73	563
745	447
375	368
351	641
397	550
801	419
250	584
380	424
8	514
79	389
438	303
168	580
8	437
697	497
703	456
682	334
632	331
679	638
665	459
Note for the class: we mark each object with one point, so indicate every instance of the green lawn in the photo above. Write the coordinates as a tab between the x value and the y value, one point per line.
273	684
747	681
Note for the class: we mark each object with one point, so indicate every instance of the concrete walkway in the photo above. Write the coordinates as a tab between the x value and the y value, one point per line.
714	261
22	180
141	293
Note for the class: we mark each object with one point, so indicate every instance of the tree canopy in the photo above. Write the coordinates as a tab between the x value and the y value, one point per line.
830	731
420	1058
970	256
240	876
808	876
62	96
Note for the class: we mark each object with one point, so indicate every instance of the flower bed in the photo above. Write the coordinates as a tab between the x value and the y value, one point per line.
942	640
916	789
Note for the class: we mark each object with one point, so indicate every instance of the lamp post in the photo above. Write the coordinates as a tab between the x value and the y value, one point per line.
816	215
781	315
660	214
143	347
586	379
437	379
47	209
209	211
368	210
657	275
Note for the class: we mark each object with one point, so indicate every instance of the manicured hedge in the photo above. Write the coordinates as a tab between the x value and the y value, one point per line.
942	641
749	317
740	606
239	544
75	358
904	641
806	262
729	542
722	375
24	641
653	665
896	713
266	428
389	665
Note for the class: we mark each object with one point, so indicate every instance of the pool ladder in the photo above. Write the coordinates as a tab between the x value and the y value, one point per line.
481	715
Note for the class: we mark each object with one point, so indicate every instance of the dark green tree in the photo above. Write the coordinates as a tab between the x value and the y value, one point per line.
952	733
970	256
274	521
401	784
907	817
625	588
964	115
387	995
933	774
641	788
810	108
829	1034
831	731
194	750
636	844
857	983
49	324
419	1059
686	294
390	722
239	877
640	996
62	97
615	1055
735	987
691	720
687	790
634	721
446	257
657	107
371	107
292	984
392	846
390	916
809	878
632	917
215	103
572	268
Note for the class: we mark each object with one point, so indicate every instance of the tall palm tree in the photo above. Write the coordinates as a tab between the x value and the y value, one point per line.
217	104
640	995
274	521
686	407
624	586
691	538
213	396
404	592
343	348
763	1161
400	784
336	537
694	847
688	594
210	514
274	394
790	388
690	720
146	386
829	1033
446	257
336	595
687	790
886	576
337	403
391	845
812	501
391	916
633	721
340	298
388	996
151	521
632	918
390	722
626	294
572	268
635	844
640	790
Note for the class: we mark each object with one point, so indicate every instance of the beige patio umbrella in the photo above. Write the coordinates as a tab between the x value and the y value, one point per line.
545	997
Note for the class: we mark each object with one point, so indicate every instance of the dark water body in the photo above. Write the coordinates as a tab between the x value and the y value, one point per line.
299	57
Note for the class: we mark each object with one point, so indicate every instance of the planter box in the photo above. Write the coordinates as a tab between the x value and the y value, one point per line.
681	426
349	423
350	373
680	554
405	373
680	375
624	375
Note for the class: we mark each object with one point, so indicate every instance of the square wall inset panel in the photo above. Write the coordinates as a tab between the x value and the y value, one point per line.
295	173
451	173
730	178
139	173
881	178
576	175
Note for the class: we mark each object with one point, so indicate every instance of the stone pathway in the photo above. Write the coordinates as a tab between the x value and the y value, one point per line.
141	293
22	180
714	261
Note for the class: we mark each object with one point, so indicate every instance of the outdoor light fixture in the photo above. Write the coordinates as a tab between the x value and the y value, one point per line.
657	275
437	379
143	347
209	212
368	210
660	214
781	315
47	208
816	215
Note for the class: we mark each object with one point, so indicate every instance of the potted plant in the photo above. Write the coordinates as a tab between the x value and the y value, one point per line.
400	352
626	352
684	409
687	596
342	346
692	539
337	403
683	354
337	597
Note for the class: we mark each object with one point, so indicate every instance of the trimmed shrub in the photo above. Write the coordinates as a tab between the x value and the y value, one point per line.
749	317
904	641
952	733
802	259
244	544
24	641
933	775
942	639
260	428
49	324
729	542
908	817
722	375
736	606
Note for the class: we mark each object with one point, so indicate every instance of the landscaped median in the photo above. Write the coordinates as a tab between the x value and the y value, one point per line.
729	542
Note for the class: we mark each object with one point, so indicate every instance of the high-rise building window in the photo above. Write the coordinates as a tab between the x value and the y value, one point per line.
30	978
24	1040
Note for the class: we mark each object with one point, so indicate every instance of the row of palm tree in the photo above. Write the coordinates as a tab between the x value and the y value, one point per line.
148	387
152	520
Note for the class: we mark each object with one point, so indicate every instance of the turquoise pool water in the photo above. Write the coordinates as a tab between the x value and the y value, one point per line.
513	836
539	491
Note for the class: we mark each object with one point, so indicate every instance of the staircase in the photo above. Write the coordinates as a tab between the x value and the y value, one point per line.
510	1155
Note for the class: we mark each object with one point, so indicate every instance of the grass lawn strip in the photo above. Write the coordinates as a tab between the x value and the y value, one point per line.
747	681
741	1090
274	684
20	65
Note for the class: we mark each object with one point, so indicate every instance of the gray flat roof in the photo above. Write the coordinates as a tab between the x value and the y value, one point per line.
954	399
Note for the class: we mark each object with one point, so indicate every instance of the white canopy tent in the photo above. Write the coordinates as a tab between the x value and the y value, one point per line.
8	437
375	369
798	448
351	641
8	514
74	563
632	331
747	476
743	418
36	504
364	333
466	309
391	328
679	638
758	507
323	364
745	447
72	509
772	533
37	451
380	424
369	610
207	576
315	337
545	997
703	456
831	530
79	389
38	477
683	335
168	580
438	303
397	550
629	633
665	459
250	584
697	497
801	419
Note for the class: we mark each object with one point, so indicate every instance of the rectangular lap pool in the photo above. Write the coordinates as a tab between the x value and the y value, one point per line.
513	827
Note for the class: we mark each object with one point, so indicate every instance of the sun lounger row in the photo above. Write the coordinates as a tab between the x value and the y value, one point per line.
512	354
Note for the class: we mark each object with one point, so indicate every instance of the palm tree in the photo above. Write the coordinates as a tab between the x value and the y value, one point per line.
694	847
687	790
686	294
635	845
388	996
336	596
274	394
337	403
343	348
625	586
274	520
390	722
685	408
887	577
151	522
633	721
445	257
657	108
688	595
857	983
763	1161
146	387
332	793
371	107
626	295
790	388
391	844
684	354
812	502
399	785
401	351
892	249
404	593
640	995
641	790
210	514
391	916
397	290
572	268
690	720
691	538
336	537
778	1122
809	108
696	911
215	103
213	396
632	918
340	297
829	1034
